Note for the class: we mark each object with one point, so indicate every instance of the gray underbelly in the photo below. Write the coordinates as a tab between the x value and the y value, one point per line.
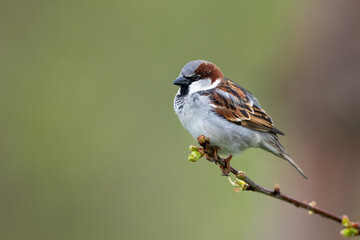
229	137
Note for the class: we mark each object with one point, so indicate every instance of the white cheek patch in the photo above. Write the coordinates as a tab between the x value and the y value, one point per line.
203	84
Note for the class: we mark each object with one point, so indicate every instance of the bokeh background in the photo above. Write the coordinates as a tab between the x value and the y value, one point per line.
90	147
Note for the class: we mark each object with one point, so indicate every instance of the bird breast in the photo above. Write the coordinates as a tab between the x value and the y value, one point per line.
196	115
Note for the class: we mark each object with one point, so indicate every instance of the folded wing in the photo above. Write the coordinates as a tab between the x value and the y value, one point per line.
240	107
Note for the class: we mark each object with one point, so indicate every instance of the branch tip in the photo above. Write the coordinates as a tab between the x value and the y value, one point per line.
242	182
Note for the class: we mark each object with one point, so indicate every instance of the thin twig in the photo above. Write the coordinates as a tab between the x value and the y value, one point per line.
211	155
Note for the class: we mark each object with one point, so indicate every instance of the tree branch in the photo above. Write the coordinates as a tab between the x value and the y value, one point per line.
351	228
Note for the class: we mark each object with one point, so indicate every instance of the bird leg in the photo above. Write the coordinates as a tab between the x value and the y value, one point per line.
227	169
211	154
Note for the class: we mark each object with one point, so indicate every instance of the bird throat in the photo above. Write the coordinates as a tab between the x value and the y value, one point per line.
184	90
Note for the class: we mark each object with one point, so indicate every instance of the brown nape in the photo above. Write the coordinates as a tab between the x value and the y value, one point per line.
209	70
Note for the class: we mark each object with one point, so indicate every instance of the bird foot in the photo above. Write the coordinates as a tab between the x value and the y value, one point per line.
227	169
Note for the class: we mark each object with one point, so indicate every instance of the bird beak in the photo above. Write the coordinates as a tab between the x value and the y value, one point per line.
181	81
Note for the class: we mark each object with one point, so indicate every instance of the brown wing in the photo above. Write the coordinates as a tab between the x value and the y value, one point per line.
238	106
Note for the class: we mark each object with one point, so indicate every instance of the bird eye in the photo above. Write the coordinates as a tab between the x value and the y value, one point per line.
195	77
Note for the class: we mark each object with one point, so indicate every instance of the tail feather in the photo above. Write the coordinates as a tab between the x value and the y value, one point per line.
273	145
288	158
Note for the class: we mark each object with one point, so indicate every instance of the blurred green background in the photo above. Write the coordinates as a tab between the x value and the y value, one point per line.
91	148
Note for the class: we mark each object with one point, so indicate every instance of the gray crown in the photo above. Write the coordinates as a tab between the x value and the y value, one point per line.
190	67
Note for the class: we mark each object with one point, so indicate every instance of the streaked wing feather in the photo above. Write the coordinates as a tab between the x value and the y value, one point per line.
238	106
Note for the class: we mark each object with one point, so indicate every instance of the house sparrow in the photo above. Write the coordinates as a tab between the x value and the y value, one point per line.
210	104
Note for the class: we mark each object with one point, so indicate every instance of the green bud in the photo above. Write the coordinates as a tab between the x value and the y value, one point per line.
346	221
195	154
238	184
202	139
349	232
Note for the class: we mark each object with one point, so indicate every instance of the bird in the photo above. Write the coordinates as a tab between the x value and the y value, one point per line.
210	104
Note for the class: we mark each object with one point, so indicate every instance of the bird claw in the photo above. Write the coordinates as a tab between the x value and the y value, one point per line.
211	154
227	169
